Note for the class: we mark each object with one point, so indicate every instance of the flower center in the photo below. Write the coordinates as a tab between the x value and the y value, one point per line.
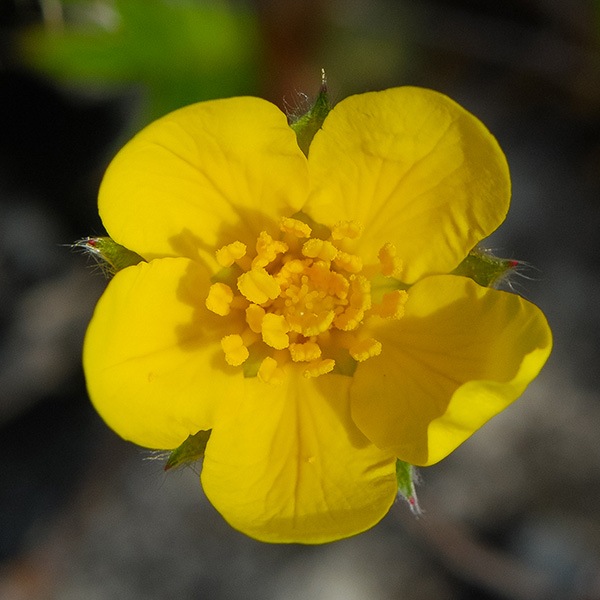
302	299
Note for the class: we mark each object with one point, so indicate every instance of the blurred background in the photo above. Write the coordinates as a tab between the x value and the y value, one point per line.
513	514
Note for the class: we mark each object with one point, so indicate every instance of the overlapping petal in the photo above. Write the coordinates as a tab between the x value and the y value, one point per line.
287	464
152	359
204	176
416	169
460	355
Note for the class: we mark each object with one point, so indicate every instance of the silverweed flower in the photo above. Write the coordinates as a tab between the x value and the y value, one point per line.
302	305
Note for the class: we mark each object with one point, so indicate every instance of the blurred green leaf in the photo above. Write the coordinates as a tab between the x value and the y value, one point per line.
181	51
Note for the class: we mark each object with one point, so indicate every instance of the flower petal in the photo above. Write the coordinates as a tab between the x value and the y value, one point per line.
459	356
285	463
152	357
202	177
416	169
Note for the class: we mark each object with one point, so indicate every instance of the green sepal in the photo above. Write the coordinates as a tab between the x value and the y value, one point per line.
190	451
406	476
484	268
110	256
306	125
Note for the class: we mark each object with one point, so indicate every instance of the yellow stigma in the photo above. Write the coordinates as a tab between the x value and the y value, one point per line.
300	302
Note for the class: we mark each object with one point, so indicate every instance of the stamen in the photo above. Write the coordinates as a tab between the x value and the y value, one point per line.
267	250
288	270
274	331
305	352
227	255
346	229
392	305
391	265
295	227
295	293
359	302
348	262
360	292
270	372
316	248
312	324
337	285
361	350
258	286
235	351
254	317
249	337
219	299
350	319
319	367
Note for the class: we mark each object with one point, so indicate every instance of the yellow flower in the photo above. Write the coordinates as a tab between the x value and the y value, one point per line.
303	308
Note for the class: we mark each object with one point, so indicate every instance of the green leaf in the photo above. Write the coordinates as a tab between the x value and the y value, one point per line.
190	451
180	51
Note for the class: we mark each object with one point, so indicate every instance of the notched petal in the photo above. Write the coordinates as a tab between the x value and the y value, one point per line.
460	355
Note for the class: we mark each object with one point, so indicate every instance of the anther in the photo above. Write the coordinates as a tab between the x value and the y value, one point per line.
295	227
391	265
219	299
392	305
346	229
316	248
319	367
235	351
227	255
361	350
258	286
267	250
306	352
350	319
360	293
270	372
274	331
313	324
254	317
348	262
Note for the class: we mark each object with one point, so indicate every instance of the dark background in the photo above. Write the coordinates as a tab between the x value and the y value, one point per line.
513	514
